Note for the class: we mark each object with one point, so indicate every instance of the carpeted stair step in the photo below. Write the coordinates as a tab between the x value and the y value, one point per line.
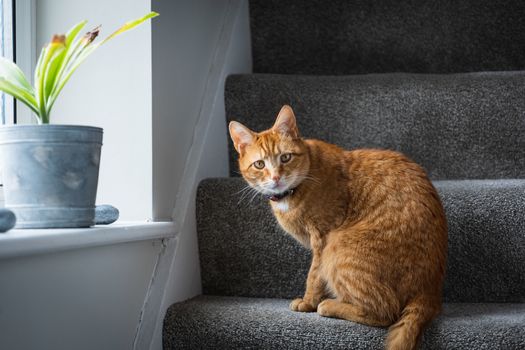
243	251
457	125
214	322
251	269
359	36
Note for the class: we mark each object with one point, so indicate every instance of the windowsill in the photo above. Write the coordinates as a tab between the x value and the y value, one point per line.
17	243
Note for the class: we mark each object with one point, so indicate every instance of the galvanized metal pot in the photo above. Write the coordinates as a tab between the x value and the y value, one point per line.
50	174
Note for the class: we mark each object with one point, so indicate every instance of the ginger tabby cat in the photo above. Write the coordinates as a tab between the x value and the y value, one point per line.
372	218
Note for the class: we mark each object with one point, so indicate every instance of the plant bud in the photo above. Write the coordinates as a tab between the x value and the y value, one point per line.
90	36
58	39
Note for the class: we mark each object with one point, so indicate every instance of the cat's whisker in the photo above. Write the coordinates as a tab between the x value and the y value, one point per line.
246	194
304	176
242	197
253	197
313	179
244	189
241	193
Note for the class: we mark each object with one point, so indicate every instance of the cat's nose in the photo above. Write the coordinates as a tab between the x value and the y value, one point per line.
276	178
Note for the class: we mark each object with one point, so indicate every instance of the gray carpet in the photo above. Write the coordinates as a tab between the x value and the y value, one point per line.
243	251
379	36
456	126
211	322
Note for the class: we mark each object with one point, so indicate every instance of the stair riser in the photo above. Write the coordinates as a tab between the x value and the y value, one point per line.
456	126
355	37
244	252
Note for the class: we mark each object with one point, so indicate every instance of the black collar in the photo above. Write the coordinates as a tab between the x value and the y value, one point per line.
277	197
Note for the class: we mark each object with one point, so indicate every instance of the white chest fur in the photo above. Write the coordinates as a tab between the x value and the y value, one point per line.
281	205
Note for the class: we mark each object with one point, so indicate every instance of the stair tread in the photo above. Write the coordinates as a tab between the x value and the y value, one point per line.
215	322
455	125
243	251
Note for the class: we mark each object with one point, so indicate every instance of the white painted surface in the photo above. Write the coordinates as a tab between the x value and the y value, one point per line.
227	45
7	51
184	43
17	243
25	50
112	90
79	299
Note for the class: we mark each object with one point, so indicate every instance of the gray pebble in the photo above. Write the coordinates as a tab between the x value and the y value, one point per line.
105	214
7	220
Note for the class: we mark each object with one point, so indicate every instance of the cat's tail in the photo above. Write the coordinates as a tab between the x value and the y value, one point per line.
406	333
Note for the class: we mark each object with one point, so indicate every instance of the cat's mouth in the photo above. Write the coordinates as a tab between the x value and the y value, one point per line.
275	190
272	188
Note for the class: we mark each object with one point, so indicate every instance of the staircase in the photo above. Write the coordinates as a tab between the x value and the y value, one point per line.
441	81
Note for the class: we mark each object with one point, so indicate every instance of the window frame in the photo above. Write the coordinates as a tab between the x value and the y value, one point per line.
25	50
8	49
20	15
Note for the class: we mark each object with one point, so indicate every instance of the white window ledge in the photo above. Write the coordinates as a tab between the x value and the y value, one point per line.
32	241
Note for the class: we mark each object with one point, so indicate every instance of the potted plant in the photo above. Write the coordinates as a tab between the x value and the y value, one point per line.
50	172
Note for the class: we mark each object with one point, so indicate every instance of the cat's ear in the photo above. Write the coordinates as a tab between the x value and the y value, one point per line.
241	135
285	123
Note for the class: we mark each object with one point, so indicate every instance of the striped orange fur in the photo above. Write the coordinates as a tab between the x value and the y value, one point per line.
372	218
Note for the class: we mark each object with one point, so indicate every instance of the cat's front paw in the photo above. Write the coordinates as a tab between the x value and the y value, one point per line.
301	306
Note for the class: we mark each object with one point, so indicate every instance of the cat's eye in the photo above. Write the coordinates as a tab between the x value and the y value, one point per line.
285	158
259	164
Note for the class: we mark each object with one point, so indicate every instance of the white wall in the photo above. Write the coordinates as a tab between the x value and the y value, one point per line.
78	299
196	45
112	90
184	44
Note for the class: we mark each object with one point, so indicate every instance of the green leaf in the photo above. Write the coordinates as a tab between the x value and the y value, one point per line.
20	93
14	83
52	51
52	70
39	63
39	79
130	25
73	32
71	45
11	72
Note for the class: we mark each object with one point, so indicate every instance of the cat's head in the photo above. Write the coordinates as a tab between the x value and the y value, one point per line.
275	160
